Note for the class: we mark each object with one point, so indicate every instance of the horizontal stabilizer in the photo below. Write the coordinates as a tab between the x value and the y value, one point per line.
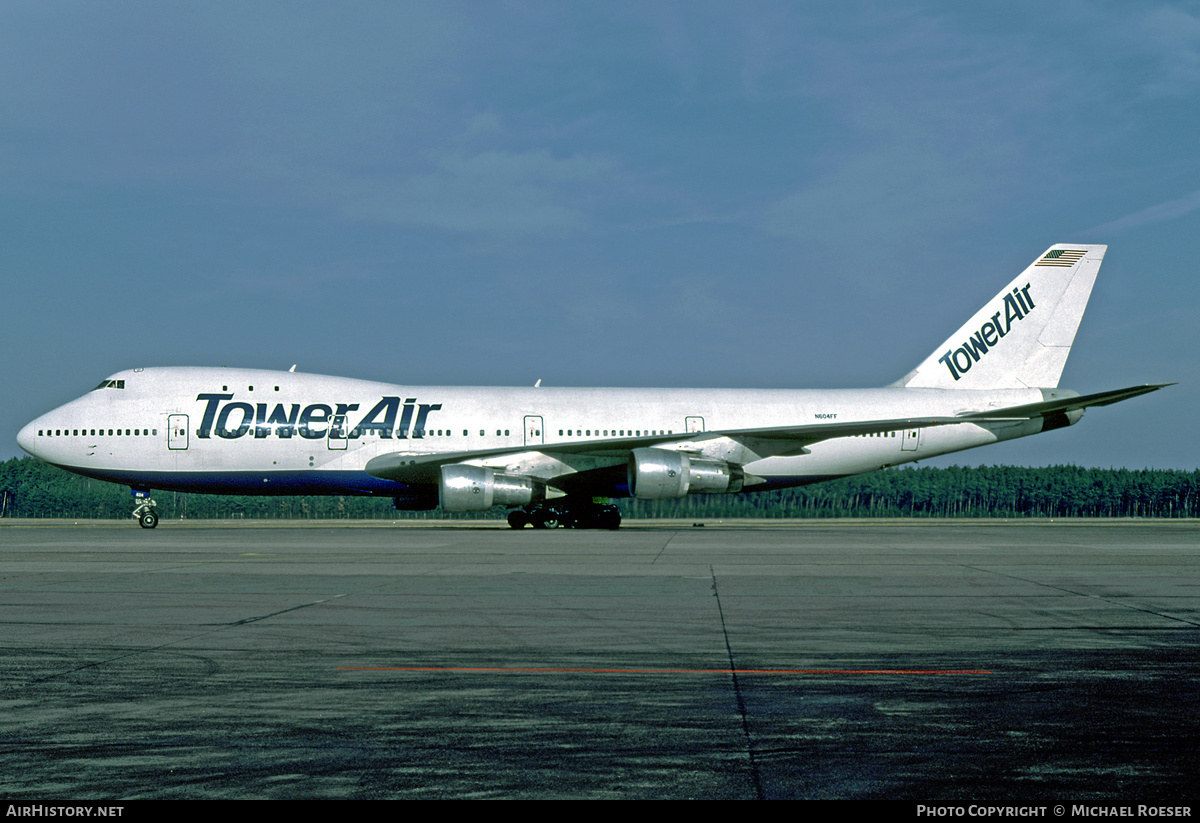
1063	404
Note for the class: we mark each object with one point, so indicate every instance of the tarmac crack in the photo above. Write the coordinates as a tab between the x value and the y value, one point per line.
151	649
1102	599
246	620
737	691
664	547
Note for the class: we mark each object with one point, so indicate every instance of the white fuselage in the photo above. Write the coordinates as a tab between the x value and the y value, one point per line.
265	432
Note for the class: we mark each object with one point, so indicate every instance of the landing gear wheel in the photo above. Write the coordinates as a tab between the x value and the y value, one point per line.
567	514
610	520
144	513
545	520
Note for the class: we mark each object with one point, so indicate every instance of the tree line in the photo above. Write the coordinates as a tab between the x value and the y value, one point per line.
30	488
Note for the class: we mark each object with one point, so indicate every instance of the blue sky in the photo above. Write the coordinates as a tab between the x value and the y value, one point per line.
636	194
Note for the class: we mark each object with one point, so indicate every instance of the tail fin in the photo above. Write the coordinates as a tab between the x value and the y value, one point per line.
1022	337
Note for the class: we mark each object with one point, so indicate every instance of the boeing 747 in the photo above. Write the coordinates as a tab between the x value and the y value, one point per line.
547	453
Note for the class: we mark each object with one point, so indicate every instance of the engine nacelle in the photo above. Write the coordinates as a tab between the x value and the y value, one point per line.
466	488
656	474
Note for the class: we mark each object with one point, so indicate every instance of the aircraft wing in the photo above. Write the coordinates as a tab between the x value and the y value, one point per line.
423	467
418	467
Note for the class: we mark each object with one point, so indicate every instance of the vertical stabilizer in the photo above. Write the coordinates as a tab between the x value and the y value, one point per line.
1022	337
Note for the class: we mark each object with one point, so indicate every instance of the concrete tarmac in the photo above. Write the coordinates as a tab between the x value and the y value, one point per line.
935	662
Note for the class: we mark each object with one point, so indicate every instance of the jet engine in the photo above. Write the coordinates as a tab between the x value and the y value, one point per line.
466	488
656	474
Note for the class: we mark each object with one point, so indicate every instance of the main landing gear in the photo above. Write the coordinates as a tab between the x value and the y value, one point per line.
569	514
144	514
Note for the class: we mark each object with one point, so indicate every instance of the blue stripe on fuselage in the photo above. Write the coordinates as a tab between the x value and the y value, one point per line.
281	483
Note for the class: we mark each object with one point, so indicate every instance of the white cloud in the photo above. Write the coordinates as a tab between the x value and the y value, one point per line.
1158	213
1169	37
491	192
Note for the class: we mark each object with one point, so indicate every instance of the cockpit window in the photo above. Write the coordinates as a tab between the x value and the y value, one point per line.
111	384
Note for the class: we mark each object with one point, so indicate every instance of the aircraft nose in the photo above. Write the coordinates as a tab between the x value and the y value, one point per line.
27	438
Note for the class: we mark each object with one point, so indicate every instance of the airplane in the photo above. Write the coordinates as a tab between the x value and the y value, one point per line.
548	453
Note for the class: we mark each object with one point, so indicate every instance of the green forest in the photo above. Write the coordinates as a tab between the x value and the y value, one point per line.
30	488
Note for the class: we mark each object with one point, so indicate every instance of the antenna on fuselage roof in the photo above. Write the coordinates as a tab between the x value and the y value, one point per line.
293	368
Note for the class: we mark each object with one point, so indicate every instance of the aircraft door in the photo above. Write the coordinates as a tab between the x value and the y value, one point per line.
533	430
693	424
910	439
177	432
337	432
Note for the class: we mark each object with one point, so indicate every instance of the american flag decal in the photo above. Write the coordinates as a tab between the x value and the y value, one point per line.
1061	257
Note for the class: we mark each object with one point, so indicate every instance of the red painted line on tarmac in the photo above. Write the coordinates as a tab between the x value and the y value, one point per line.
451	669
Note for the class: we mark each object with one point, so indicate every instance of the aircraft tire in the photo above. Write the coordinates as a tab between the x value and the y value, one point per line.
517	520
148	520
